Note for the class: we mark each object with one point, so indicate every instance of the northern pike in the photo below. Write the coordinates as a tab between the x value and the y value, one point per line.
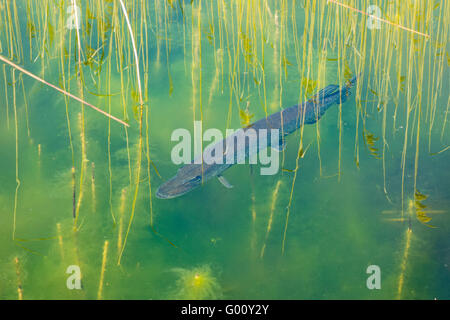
287	121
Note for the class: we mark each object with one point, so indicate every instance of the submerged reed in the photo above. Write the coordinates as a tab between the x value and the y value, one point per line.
60	240
271	216
93	187
404	261
259	50
15	66
19	279
102	272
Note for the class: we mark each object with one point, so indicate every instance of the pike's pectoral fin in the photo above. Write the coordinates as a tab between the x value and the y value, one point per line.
224	182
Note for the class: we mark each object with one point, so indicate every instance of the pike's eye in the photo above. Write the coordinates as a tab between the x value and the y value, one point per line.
196	179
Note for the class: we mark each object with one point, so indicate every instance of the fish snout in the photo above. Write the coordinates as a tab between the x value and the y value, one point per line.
160	194
166	190
176	187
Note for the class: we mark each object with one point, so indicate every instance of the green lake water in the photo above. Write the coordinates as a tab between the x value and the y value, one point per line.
208	243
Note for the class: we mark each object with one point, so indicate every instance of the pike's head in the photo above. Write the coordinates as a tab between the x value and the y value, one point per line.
187	178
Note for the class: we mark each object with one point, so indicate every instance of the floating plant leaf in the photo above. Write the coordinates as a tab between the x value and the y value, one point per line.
88	27
136	112
248	49
134	96
170	85
422	217
89	14
286	63
210	34
419	205
348	74
309	85
246	117
420	208
370	140
374	92
31	30
51	33
402	83
419	196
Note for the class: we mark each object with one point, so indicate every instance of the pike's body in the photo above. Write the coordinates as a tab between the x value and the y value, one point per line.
286	121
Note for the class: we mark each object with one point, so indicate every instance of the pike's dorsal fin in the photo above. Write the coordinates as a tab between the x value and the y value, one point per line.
225	182
326	91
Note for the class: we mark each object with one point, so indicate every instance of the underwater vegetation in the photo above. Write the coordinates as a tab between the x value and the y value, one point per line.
197	283
91	90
